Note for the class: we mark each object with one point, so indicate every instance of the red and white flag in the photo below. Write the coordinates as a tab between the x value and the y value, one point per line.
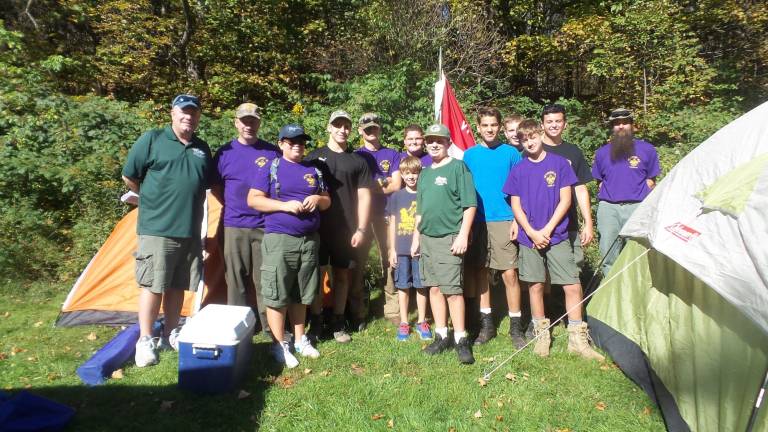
448	112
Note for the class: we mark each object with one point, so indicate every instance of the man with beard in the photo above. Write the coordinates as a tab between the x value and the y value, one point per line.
626	169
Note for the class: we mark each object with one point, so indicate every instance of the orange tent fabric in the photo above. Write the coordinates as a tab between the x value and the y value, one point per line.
106	291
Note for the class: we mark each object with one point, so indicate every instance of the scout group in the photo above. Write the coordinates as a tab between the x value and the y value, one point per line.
440	224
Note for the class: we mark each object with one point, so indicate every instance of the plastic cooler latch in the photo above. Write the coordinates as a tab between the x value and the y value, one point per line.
207	352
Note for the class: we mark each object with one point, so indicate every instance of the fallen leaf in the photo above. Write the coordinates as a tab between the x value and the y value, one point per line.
499	404
307	371
53	376
3	356
357	370
67	348
499	418
451	429
489	359
526	376
482	382
387	375
38	324
563	430
6	314
286	382
601	406
166	405
605	367
325	373
118	374
478	414
32	358
647	411
91	336
377	416
391	423
16	350
510	376
542	379
242	394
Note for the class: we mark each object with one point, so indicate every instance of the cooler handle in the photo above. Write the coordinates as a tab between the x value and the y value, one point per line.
208	352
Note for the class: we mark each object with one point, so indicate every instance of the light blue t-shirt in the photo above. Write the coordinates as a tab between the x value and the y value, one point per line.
490	168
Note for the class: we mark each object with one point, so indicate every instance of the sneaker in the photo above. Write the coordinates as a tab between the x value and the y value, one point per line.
340	334
579	342
146	351
487	329
423	329
439	345
464	351
516	332
305	348
282	353
403	331
171	342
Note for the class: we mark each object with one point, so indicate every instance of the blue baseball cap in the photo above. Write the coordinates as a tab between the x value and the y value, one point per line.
185	100
291	131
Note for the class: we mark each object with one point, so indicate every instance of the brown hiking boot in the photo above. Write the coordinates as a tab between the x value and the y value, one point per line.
543	338
579	342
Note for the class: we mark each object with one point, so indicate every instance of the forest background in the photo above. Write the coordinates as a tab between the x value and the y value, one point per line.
80	80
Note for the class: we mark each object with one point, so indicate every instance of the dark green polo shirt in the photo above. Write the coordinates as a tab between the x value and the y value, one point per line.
173	180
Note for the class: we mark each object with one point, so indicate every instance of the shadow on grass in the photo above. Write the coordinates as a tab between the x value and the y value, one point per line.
124	404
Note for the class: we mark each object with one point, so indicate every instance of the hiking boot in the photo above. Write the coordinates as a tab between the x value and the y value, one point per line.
282	354
464	351
516	332
487	329
171	342
146	351
316	326
403	331
439	345
340	334
579	342
305	348
543	338
423	329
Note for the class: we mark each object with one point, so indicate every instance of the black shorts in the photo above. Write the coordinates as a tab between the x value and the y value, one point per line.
337	251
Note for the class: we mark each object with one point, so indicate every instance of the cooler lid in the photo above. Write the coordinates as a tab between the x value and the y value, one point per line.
218	324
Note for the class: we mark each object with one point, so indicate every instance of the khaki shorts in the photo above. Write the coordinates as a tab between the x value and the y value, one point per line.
502	252
168	263
289	269
438	267
557	259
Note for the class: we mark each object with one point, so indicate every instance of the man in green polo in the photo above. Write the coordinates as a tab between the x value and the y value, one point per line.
170	169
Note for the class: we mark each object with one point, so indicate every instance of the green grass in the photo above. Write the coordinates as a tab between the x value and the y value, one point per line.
374	383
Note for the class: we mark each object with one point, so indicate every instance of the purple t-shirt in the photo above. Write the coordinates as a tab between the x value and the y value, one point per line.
297	181
382	163
402	204
235	163
426	159
538	185
624	180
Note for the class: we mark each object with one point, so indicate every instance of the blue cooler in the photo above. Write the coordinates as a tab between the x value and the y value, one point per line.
215	348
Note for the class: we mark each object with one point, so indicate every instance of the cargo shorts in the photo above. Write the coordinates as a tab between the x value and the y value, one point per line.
289	269
558	260
168	263
438	266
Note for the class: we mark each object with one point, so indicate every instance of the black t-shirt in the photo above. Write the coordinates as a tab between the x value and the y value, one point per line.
343	174
583	174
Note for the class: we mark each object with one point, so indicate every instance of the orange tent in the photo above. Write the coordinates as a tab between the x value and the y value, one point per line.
106	291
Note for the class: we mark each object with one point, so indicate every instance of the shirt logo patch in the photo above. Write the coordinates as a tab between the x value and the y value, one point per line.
634	161
441	181
260	161
385	164
199	153
550	178
310	179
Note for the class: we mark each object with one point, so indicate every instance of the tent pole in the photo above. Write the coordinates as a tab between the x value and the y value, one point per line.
758	403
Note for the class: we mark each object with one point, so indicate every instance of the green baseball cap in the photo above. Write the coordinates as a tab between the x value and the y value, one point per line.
437	130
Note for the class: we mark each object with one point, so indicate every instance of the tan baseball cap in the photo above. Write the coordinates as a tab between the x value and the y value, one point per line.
339	114
248	110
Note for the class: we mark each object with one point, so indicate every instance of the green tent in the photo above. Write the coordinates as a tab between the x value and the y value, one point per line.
684	311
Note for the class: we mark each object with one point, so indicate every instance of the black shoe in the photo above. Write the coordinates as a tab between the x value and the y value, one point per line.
439	345
316	327
529	331
487	329
464	351
516	332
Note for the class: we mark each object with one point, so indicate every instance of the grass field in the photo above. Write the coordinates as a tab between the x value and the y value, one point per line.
373	383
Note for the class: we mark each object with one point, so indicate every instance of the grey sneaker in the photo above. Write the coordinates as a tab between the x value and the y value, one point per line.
146	351
340	334
305	348
171	342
